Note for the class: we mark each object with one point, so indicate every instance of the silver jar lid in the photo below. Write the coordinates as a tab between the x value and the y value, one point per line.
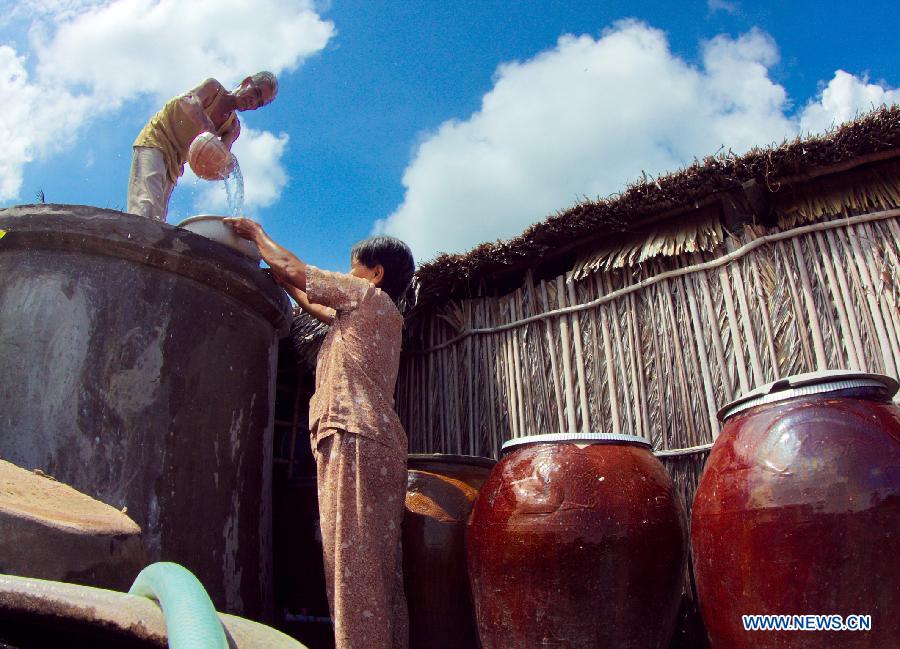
577	438
800	385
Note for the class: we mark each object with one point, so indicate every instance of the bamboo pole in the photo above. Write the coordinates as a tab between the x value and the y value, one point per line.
492	401
540	407
713	316
836	357
691	354
510	385
411	401
668	392
504	430
411	365
658	365
638	396
554	366
456	405
610	368
766	317
435	380
534	363
405	407
437	404
711	407
874	307
426	408
638	350
528	411
841	262
419	373
482	416
815	329
416	429
868	332
749	336
884	298
679	361
692	450
736	340
579	361
517	367
446	412
799	320
431	425
595	347
847	333
567	362
618	343
893	236
470	380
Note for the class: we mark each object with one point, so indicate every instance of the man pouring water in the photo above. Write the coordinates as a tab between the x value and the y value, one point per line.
161	148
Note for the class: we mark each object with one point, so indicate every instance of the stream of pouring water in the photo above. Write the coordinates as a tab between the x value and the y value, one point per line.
234	189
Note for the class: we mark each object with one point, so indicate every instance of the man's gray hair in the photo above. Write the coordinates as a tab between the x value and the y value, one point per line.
269	79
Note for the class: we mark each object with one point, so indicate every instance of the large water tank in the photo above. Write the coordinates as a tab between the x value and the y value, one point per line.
137	364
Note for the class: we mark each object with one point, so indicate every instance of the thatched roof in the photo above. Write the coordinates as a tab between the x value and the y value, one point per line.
306	337
874	136
661	201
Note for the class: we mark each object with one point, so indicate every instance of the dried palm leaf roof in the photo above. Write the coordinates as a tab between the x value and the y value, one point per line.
873	136
306	337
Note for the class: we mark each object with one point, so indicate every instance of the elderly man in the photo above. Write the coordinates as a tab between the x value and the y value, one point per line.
160	150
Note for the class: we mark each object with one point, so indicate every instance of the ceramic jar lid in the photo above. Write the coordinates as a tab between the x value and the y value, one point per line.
577	438
807	384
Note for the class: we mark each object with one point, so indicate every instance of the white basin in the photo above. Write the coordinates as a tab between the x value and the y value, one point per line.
213	227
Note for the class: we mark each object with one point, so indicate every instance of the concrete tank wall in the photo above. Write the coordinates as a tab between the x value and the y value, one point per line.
137	364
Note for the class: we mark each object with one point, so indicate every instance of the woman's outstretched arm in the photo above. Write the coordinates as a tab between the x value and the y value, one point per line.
285	265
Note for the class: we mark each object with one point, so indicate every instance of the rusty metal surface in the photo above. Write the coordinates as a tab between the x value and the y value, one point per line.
50	612
137	364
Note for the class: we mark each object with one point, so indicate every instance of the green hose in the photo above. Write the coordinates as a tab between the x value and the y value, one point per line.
191	619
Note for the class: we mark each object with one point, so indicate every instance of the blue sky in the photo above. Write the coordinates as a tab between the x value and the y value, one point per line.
444	123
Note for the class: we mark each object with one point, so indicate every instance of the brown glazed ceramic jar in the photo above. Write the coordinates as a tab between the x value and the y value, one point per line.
439	496
798	513
577	541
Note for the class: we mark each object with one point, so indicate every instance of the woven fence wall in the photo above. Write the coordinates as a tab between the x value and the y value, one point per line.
655	349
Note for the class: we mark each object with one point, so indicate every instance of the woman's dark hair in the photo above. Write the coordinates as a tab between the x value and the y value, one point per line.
396	259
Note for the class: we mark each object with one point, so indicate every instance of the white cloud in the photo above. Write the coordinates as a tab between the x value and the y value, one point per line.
259	154
842	99
124	48
34	121
50	9
88	59
722	5
589	116
584	119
